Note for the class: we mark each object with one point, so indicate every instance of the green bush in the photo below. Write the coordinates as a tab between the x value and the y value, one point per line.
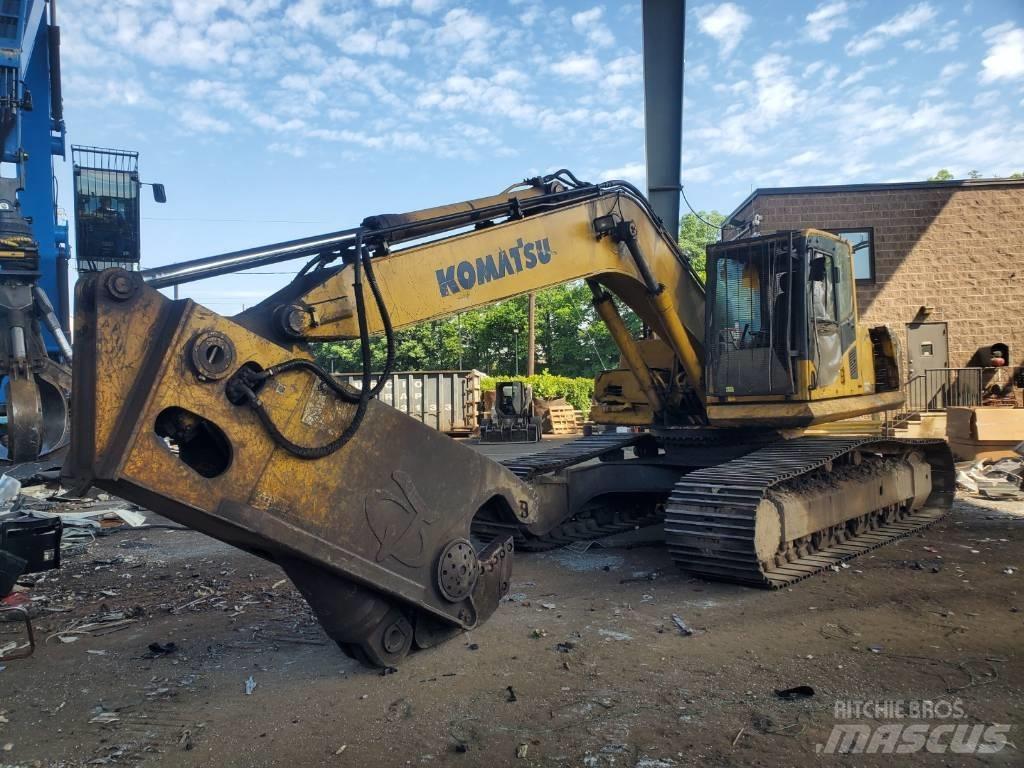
577	391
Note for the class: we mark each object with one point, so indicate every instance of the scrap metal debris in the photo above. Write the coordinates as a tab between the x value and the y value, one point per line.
684	630
999	479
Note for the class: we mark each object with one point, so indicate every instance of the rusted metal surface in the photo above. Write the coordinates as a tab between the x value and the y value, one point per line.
359	531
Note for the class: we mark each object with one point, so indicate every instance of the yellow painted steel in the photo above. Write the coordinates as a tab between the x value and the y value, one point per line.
411	278
470	269
605	307
794	414
680	340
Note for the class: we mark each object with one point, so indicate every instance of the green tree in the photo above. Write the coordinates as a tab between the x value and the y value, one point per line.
571	339
942	175
696	233
974	174
1017	175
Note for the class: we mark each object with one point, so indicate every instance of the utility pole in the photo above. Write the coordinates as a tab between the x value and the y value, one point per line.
531	334
515	346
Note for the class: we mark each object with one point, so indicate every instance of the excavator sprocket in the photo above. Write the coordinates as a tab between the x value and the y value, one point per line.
795	508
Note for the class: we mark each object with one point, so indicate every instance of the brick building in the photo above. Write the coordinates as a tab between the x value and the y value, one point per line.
942	263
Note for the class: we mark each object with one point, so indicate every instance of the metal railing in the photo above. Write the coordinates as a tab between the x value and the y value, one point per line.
942	388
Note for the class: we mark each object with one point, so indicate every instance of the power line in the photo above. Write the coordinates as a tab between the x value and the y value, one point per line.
699	217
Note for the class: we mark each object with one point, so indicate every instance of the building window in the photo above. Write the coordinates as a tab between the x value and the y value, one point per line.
863	243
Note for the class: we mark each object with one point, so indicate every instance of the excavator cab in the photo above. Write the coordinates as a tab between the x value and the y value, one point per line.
781	325
749	315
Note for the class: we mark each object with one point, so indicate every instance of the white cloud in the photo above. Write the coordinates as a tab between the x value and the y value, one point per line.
805	158
195	121
698	72
426	7
305	13
725	23
1005	59
624	71
947	42
364	42
578	67
777	91
914	18
730	136
860	74
864	45
813	67
635	172
462	93
952	70
294	150
698	173
469	32
909	21
826	19
589	23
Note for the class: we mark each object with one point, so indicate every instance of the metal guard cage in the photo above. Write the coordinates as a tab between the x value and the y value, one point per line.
106	208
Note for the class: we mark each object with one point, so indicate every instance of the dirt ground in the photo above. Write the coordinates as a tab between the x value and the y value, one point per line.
582	666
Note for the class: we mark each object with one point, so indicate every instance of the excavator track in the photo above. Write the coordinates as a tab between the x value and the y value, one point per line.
571	453
590	524
593	523
711	514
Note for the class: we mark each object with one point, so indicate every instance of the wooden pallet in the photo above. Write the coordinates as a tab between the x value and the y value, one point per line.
563	420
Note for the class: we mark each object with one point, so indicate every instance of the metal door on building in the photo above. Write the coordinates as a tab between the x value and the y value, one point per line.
927	350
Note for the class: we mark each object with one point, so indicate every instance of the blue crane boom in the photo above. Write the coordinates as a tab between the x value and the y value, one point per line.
34	251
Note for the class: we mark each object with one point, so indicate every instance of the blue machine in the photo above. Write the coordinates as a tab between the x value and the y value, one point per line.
34	352
30	70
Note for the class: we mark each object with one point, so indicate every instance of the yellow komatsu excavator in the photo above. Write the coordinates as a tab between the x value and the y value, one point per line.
229	426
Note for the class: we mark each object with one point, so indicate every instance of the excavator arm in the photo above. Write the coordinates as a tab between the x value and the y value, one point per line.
226	424
604	233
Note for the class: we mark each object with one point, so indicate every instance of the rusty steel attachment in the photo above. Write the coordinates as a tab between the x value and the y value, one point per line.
376	539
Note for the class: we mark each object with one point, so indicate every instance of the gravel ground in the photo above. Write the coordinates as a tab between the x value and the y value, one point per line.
582	666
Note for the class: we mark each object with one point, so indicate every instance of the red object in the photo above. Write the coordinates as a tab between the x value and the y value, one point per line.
16	600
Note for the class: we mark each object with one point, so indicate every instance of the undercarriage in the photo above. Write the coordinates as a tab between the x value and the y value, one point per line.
771	515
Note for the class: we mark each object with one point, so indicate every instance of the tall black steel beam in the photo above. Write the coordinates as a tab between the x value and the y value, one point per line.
664	23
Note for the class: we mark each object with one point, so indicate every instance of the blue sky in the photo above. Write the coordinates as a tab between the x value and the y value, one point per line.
273	119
